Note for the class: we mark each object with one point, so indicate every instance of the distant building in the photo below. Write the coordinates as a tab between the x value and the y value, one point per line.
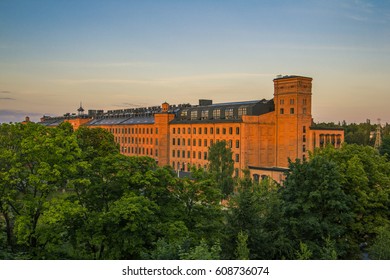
263	134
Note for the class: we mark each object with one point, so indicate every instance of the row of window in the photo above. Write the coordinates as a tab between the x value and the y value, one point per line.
133	130
135	140
182	142
205	130
139	151
292	101
196	155
292	111
228	113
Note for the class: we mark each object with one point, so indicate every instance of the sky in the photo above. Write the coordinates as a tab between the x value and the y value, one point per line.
125	53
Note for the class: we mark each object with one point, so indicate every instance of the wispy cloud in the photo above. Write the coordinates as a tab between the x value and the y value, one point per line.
7	98
5	91
172	80
87	64
133	105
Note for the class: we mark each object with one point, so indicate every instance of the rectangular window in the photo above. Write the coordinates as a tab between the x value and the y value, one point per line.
194	115
242	111
205	130
211	130
230	144
237	144
211	142
216	114
193	142
156	153
189	130
178	141
237	158
199	142
237	130
230	130
292	111
217	130
184	130
199	155
304	138
156	141
194	154
304	129
304	111
205	155
173	141
194	131
281	111
291	101
183	154
204	115
205	142
281	101
183	114
178	130
304	148
188	154
173	153
229	113
200	130
223	130
156	130
189	142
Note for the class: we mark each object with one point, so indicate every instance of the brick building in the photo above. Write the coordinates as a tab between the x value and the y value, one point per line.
262	134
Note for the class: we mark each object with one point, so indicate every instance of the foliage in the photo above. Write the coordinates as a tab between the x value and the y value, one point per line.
380	248
221	166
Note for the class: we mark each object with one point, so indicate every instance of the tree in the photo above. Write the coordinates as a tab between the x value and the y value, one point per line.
385	147
221	166
315	205
380	248
255	211
365	178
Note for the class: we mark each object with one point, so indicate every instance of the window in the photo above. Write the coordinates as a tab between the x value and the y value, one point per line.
193	154
211	142
194	142
173	141
281	101
156	153
205	155
204	115
183	114
178	130
230	144
205	130
304	129
304	138
211	130
292	111
194	115
199	142
156	141
304	111
189	142
173	153
229	113
236	172
281	111
230	130
188	155
183	154
291	101
237	130
199	155
184	130
183	141
194	132
217	130
223	130
200	130
156	130
189	130
242	111
178	141
205	142
178	154
217	114
304	148
237	158
237	143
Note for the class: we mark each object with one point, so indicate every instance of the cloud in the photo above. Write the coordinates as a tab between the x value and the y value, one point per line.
177	79
7	98
86	64
5	91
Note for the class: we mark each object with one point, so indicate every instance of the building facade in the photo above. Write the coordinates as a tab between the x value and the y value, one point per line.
263	134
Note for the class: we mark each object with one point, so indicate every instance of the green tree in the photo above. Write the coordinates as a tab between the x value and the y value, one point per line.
315	205
380	248
242	251
221	166
385	147
365	178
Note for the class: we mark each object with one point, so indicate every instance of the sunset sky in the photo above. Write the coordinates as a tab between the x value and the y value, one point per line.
126	53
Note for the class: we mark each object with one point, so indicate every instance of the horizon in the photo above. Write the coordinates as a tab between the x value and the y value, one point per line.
127	54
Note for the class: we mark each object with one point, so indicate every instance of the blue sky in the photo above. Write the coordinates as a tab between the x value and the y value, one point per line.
119	54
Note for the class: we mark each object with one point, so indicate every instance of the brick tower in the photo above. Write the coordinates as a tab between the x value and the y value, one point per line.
292	98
